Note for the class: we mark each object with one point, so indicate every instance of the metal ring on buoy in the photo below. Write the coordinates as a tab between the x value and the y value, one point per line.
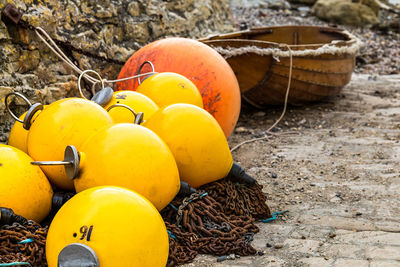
80	77
141	67
138	116
8	107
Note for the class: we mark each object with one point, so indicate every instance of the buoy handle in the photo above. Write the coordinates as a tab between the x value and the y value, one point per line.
141	67
51	163
71	162
27	122
8	107
138	116
103	97
80	78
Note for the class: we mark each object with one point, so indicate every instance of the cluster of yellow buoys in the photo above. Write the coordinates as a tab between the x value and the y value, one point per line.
125	154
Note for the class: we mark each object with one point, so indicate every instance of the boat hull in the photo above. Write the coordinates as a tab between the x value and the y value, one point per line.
263	79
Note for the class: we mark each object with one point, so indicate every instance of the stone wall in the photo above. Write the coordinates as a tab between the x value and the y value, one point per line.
110	28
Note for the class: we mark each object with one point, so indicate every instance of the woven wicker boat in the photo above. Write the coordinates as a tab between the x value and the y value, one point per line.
323	62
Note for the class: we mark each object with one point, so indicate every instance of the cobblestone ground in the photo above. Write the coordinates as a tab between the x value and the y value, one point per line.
337	173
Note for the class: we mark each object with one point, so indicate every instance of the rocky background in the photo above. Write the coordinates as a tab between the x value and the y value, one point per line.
112	29
379	33
116	29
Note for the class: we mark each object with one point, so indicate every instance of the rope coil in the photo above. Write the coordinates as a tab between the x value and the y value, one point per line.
330	48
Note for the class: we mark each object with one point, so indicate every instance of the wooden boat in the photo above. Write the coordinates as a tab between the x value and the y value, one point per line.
323	62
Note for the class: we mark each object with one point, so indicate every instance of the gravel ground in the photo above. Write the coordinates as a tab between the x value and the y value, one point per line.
333	165
380	53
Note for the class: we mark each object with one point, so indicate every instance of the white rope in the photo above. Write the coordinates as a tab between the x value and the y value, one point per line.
131	77
277	52
42	34
103	81
49	42
80	77
331	48
284	106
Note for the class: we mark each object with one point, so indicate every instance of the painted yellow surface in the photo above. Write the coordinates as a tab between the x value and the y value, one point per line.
133	157
196	141
18	136
65	122
137	101
24	187
168	88
122	227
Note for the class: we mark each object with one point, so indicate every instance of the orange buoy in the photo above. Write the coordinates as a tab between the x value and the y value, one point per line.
207	69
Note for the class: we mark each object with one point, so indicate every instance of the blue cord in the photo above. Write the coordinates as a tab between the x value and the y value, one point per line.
29	240
171	235
15	264
175	208
274	216
202	195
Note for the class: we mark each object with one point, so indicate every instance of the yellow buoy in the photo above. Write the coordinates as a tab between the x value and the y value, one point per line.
133	157
136	101
18	136
23	187
114	102
198	144
123	106
64	122
168	88
107	227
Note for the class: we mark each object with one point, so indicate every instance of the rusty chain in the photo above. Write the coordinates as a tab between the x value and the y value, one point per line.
220	222
239	199
23	243
186	202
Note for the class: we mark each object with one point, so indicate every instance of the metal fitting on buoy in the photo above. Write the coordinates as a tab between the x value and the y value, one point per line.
196	141
8	217
238	174
107	226
185	190
141	156
24	188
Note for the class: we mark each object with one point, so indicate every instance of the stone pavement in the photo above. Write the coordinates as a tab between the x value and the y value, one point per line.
338	177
